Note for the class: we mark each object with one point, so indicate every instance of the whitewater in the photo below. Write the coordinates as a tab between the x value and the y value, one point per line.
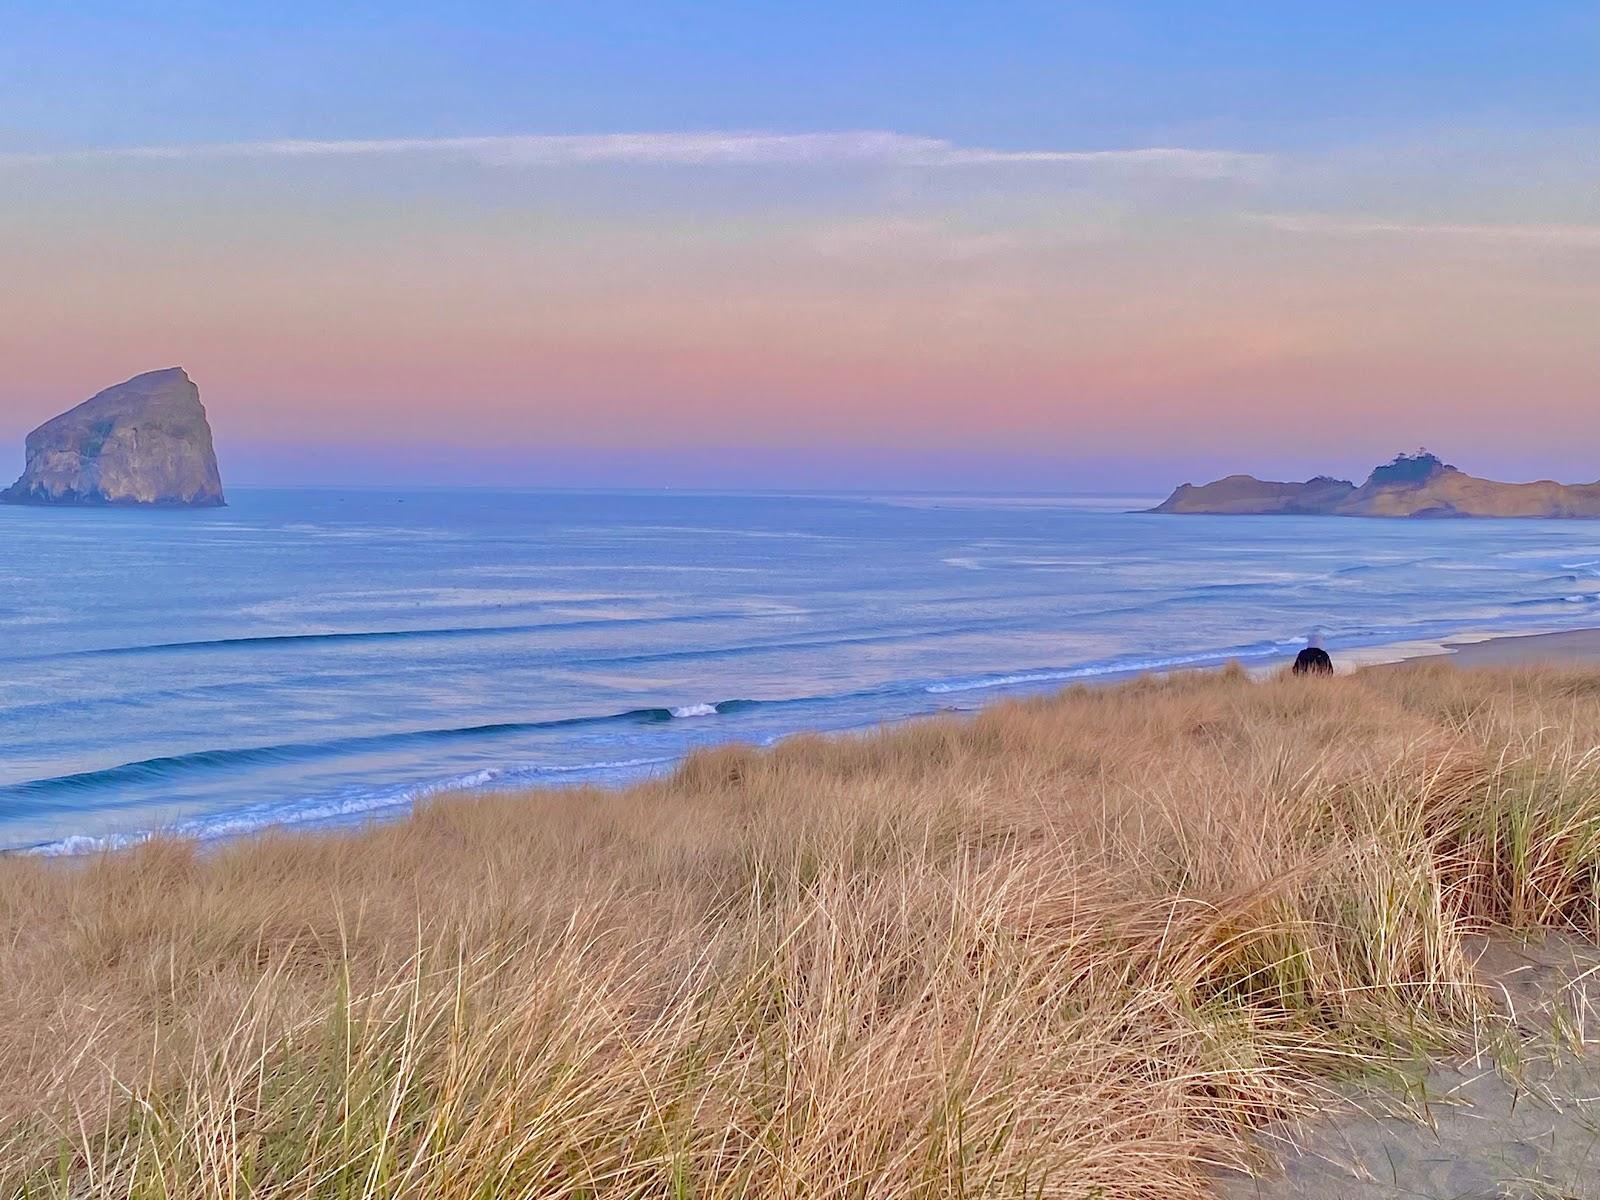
314	658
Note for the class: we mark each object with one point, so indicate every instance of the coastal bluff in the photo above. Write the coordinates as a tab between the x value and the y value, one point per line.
1412	485
145	442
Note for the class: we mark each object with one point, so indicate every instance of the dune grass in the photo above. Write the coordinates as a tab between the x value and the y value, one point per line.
1072	947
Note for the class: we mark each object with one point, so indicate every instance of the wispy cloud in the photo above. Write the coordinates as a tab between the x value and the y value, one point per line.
1533	233
927	240
727	148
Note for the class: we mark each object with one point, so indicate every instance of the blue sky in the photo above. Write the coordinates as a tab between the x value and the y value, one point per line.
1266	75
1241	225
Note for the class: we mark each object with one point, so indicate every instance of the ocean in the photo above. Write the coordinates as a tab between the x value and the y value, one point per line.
307	658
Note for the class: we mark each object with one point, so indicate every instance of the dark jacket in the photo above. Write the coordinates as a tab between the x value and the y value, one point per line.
1313	660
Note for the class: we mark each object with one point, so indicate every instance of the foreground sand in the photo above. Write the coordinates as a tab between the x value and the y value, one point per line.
1086	946
1515	1112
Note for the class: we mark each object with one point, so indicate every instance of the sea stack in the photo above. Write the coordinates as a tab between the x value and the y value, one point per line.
145	442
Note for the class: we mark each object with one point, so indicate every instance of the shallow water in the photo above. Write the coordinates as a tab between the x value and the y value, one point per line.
316	656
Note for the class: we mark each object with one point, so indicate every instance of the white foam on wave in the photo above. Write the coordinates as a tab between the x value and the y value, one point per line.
621	764
1128	667
974	685
78	843
694	710
326	809
257	817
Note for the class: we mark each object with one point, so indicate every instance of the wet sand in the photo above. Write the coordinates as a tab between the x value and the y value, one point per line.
1578	647
1572	648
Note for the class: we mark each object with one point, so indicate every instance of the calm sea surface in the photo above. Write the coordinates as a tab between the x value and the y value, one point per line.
309	657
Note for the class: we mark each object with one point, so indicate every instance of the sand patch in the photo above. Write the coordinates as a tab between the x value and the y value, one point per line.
1518	1116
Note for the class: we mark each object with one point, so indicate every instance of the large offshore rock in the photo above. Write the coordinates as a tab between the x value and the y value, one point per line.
1413	485
1247	495
143	442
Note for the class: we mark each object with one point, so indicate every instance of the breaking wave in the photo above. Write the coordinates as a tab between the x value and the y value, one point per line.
344	807
54	792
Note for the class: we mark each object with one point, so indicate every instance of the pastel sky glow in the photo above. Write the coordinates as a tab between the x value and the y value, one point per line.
1041	246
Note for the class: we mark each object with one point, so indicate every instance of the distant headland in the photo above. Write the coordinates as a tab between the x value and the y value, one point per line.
145	442
1412	485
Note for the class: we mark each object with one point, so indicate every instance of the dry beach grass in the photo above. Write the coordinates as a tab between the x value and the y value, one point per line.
1070	947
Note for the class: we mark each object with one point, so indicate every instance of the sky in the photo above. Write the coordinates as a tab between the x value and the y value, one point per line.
847	244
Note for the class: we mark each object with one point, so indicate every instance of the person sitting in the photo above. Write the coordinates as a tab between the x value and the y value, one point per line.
1313	660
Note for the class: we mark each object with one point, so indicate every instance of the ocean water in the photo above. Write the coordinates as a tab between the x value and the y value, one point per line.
314	657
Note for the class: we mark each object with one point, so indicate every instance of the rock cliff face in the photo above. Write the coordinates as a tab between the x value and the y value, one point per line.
1246	494
143	442
1413	485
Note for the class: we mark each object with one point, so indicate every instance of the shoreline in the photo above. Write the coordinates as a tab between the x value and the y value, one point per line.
1466	649
1568	647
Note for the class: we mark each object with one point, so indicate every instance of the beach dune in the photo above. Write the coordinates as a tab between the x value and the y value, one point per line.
1078	946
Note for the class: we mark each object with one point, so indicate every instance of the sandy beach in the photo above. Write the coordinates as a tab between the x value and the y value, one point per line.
1569	648
1576	647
